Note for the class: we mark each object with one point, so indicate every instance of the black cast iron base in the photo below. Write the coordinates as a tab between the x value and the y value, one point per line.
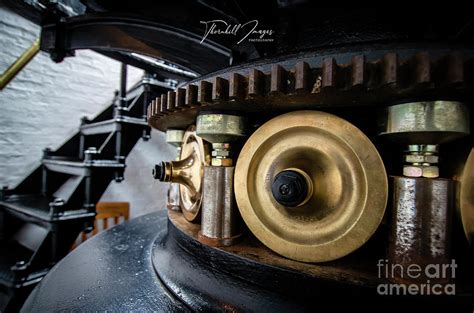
149	264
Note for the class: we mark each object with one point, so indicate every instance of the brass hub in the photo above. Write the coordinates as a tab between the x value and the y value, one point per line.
348	181
197	153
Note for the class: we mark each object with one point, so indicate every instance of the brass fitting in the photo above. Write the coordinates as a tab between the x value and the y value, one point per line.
186	172
221	130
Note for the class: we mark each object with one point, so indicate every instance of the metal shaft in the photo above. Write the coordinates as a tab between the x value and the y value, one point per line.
220	224
421	225
19	64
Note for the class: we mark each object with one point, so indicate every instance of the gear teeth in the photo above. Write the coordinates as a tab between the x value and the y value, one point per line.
422	68
390	69
171	104
161	103
278	79
180	98
153	108
164	104
452	69
220	89
191	96
358	71
329	73
148	110
302	77
205	92
237	87
256	83
388	77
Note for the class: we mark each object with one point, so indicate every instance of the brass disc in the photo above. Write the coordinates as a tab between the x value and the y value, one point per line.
191	201
467	198
348	179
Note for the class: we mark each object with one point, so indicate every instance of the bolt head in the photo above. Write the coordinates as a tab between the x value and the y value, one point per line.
289	188
419	158
420	171
430	171
220	153
221	162
412	171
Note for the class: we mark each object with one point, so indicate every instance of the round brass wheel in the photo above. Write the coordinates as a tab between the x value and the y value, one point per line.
197	152
348	186
467	198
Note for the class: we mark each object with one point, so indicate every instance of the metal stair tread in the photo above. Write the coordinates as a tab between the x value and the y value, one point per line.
109	125
10	253
33	205
37	206
73	162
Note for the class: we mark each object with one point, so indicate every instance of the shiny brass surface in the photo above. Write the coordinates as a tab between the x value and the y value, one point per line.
175	137
348	179
18	65
429	122
188	172
220	128
467	198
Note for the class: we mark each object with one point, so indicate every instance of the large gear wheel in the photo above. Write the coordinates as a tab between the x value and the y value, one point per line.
373	76
341	175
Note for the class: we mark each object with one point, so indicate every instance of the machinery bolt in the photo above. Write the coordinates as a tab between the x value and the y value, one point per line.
46	152
221	154
289	188
159	171
284	189
422	161
221	162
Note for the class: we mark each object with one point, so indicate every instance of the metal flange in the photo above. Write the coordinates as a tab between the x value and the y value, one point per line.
348	186
194	146
467	198
425	122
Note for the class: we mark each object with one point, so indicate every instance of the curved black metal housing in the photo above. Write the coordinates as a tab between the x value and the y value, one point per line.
131	34
148	264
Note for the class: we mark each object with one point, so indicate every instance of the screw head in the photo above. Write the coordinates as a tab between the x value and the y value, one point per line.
289	188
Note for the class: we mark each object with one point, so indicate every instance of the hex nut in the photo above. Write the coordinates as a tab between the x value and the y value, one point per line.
221	153
412	171
423	148
220	145
420	158
221	162
421	171
430	171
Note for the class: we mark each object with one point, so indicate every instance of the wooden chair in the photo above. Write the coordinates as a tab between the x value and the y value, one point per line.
118	212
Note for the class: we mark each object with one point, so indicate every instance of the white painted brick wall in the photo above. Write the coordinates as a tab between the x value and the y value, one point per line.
42	107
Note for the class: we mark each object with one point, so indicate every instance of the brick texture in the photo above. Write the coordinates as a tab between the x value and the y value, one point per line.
42	107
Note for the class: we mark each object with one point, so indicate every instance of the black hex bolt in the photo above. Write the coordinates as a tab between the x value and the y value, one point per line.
289	188
159	171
